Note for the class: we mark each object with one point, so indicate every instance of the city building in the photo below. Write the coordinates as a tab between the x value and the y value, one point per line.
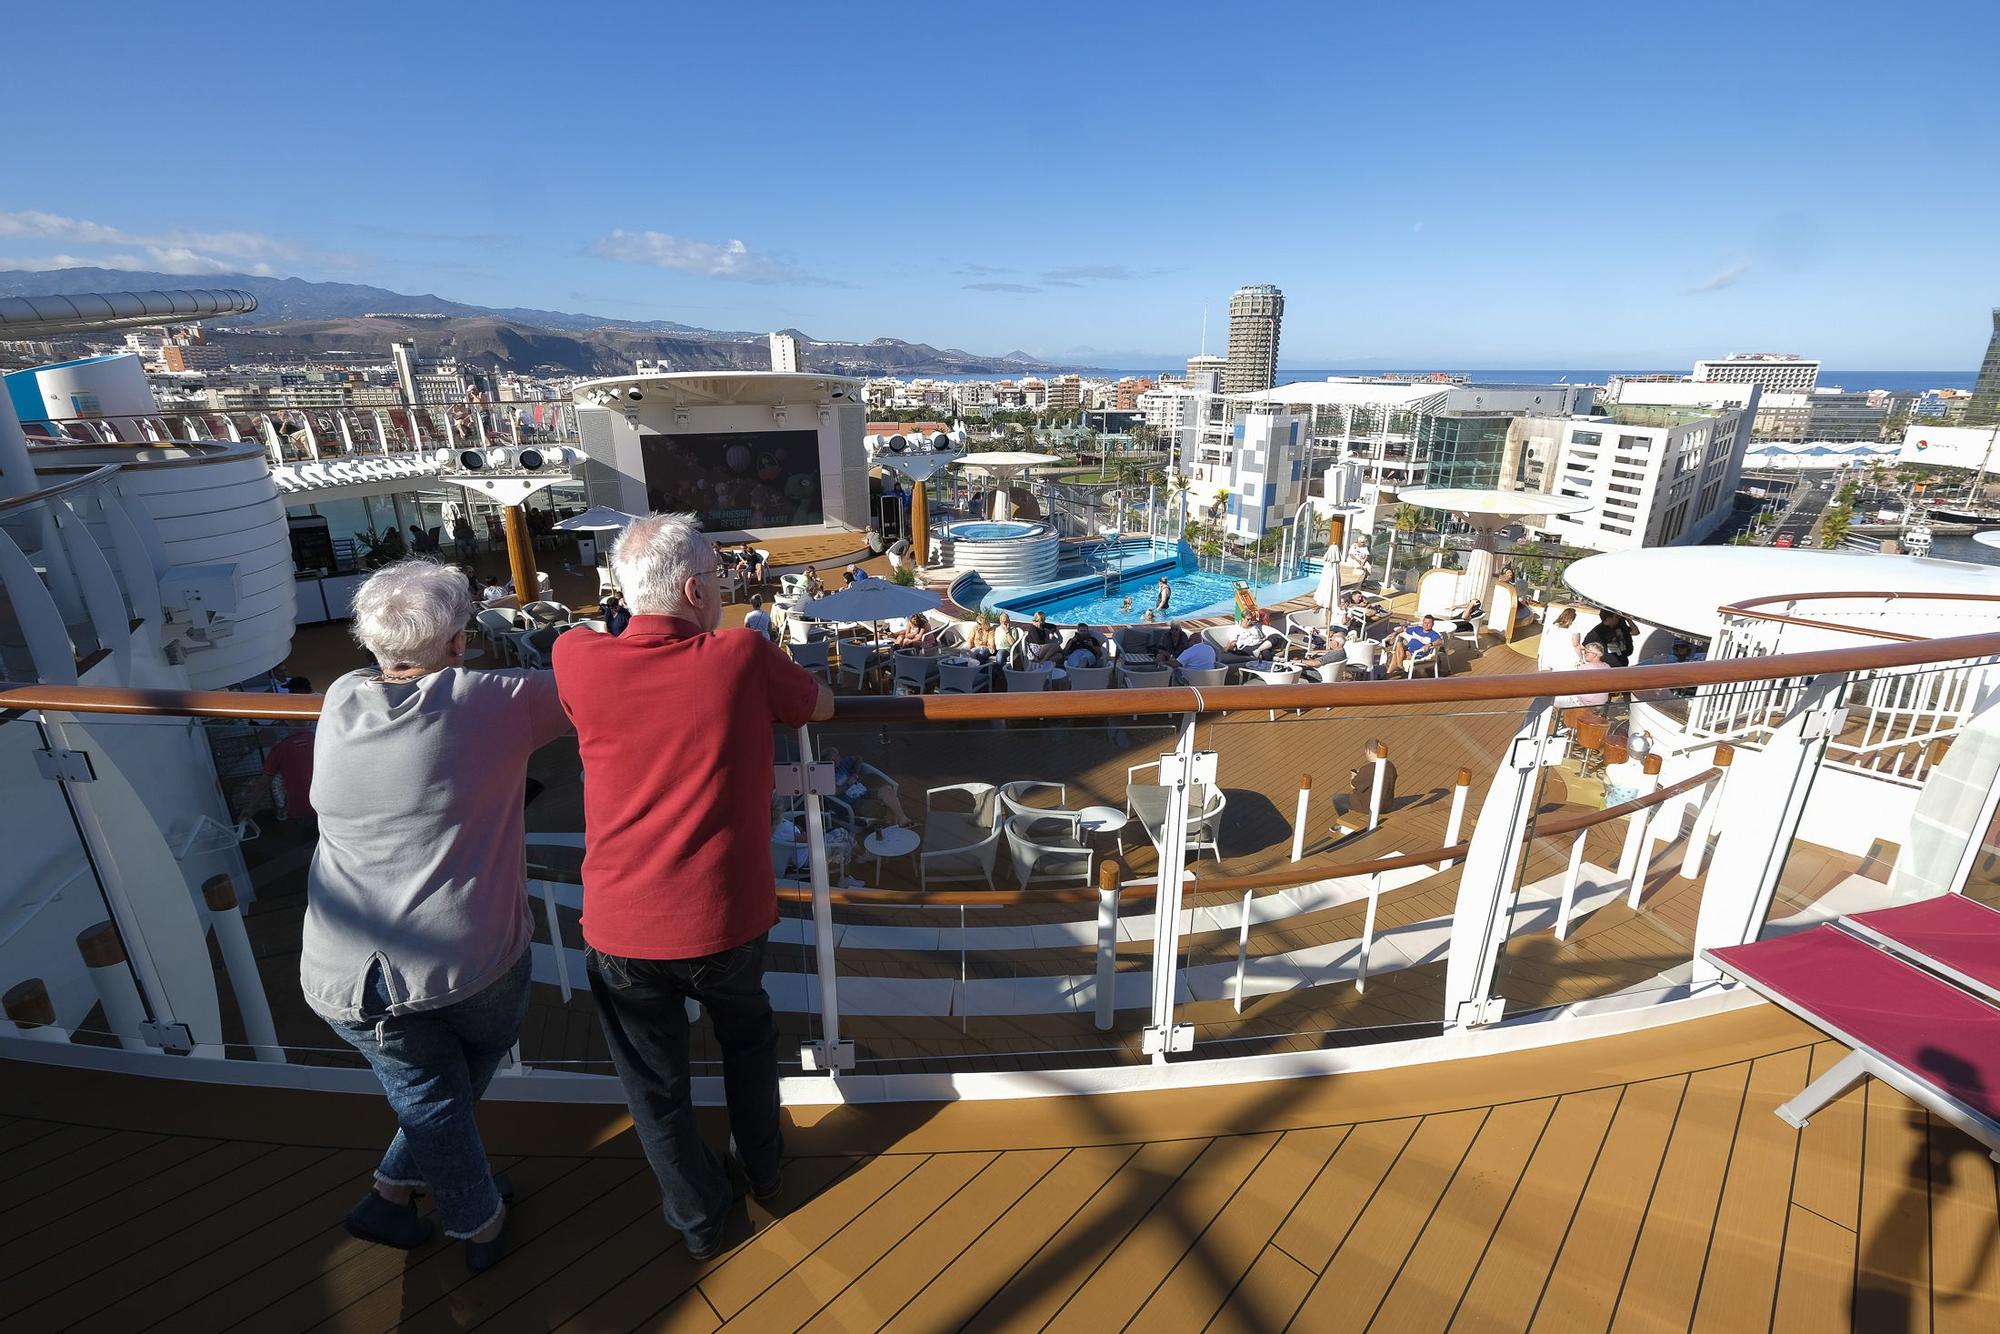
1838	416
1065	393
179	358
1205	364
1125	396
1034	393
1429	432
1783	414
1660	461
1251	477
1984	409
1773	372
1256	317
785	354
431	381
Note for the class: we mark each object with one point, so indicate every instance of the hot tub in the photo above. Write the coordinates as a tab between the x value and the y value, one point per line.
1003	552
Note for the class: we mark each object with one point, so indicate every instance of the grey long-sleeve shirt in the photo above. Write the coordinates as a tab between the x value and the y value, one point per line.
421	862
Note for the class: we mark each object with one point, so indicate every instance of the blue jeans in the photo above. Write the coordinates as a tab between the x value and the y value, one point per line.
434	1066
642	1004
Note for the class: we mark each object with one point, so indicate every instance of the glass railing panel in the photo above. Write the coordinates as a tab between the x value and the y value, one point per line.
64	962
1598	905
973	930
1347	943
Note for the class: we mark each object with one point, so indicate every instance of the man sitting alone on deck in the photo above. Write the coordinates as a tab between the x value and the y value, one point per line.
1361	789
1415	641
1255	640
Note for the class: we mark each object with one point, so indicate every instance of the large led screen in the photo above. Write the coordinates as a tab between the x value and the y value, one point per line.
736	480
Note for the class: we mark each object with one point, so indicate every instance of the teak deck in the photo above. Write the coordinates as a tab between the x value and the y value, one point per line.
1637	1182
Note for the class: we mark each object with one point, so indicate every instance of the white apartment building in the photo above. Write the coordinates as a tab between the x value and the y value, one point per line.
1204	365
1773	372
427	380
973	394
1034	393
785	353
1661	465
1166	409
1257	466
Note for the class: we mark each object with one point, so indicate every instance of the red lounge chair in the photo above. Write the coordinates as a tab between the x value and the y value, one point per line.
1951	935
1916	1032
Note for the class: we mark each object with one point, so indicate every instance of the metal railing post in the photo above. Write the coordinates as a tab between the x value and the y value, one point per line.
1570	878
1459	792
1109	878
1639	840
1704	820
1299	822
1243	947
832	1055
1368	932
1177	774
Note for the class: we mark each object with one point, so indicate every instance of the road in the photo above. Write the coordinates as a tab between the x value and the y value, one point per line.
1805	512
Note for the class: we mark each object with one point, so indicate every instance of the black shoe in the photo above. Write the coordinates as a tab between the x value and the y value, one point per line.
481	1256
386	1224
763	1192
721	1242
505	1185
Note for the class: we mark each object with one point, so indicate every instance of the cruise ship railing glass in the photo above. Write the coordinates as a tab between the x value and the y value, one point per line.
1537	857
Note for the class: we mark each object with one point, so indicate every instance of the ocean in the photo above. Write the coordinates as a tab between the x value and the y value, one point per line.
1897	381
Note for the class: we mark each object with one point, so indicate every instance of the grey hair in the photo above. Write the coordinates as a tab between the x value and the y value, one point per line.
655	557
407	613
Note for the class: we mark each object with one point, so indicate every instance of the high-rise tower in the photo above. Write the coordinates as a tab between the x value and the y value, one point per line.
1255	315
1984	409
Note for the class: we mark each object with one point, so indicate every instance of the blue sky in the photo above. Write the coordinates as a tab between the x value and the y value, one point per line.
1466	184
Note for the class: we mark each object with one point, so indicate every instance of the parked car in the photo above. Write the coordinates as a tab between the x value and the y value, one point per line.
1784	540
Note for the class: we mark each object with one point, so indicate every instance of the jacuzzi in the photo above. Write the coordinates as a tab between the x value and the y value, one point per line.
1004	552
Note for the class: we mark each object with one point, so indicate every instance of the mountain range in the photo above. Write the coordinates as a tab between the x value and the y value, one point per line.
296	319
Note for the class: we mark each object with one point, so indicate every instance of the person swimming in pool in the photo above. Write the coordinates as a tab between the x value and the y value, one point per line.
1126	605
1166	595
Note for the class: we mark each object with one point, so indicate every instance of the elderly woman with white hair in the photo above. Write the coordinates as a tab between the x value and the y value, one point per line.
416	931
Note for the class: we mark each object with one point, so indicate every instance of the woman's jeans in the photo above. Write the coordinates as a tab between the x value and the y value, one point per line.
434	1066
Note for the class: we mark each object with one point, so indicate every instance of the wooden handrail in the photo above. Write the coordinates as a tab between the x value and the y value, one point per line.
1749	606
1125	703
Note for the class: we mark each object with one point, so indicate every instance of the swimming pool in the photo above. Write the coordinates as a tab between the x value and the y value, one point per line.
1090	604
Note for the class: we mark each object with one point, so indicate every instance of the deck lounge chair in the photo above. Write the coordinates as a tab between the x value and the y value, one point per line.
1923	1034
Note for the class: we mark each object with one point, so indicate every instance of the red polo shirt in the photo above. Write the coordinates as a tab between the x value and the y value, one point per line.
674	727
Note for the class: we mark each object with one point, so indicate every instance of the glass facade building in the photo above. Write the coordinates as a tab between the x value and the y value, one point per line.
1984	410
1463	451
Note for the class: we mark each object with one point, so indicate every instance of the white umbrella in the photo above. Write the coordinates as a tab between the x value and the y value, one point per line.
597	518
871	599
1328	592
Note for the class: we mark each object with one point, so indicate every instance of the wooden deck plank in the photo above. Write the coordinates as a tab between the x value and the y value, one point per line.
1202	1282
1447	1253
1171	1229
1892	1270
833	1266
1342	1190
536	1267
1073	1251
336	1271
73	1284
90	1187
1373	1253
1664	1276
1965	1233
1816	1276
1746	1241
1828	1180
886	1287
437	1278
1514	1265
955	1295
1267	1298
739	1278
643	1272
1583	1284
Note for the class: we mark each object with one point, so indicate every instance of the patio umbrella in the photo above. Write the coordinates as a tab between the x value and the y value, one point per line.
1328	592
871	599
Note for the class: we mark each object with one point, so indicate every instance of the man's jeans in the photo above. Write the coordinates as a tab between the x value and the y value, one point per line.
642	1003
434	1066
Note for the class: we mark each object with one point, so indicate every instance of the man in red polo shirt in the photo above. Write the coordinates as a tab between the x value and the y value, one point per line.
673	721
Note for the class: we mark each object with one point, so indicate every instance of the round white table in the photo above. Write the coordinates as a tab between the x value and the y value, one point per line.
1103	820
895	841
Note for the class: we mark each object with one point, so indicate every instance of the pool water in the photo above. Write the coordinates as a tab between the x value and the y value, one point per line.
1092	606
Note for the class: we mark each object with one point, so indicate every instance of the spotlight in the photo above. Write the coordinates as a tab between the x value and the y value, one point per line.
898	443
443	457
530	459
472	460
499	457
635	393
941	443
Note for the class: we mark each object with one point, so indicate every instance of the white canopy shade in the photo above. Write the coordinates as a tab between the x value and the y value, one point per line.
871	599
1474	503
1989	538
998	460
1682	588
597	518
1327	594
